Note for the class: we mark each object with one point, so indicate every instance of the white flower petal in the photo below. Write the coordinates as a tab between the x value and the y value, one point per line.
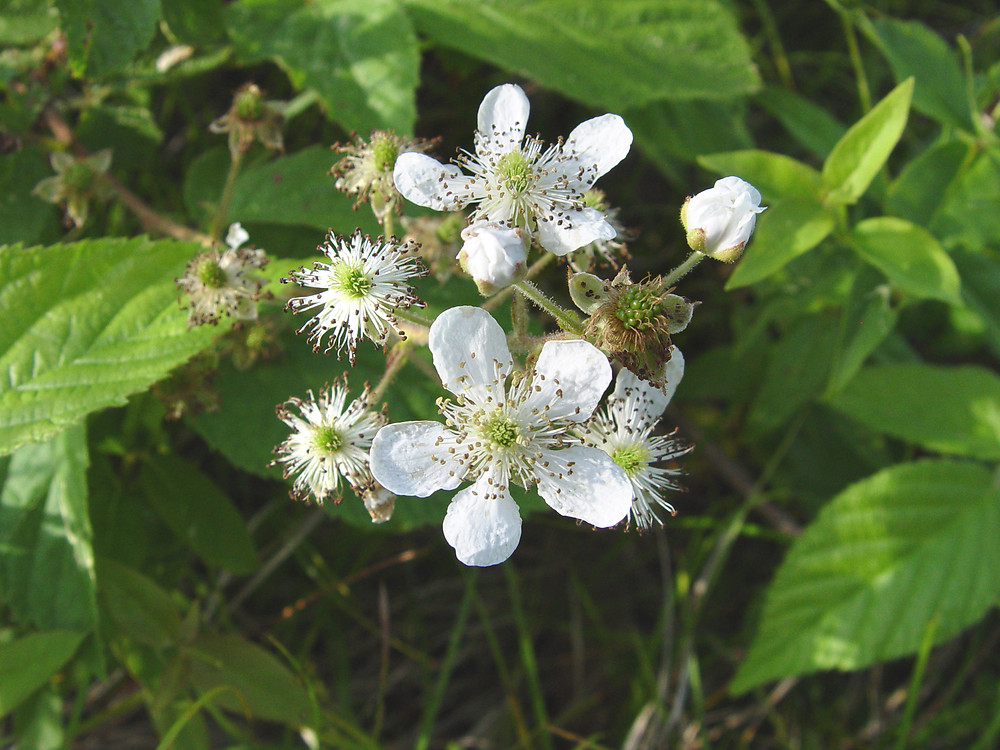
236	235
572	376
401	458
503	116
583	482
427	182
470	352
653	400
483	524
567	229
600	143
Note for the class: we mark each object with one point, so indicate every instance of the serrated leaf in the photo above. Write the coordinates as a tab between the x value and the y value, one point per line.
85	325
25	664
909	256
860	154
47	564
104	35
264	685
912	544
789	228
914	50
361	58
631	47
947	409
774	175
199	512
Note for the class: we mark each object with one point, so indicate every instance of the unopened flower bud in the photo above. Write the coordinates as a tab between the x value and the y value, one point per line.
720	220
493	255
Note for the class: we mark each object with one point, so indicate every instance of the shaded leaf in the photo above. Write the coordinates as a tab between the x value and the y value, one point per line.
85	325
911	545
867	319
967	214
909	256
26	664
104	35
916	194
811	125
136	607
47	564
637	51
199	512
23	215
946	409
774	175
866	146
981	291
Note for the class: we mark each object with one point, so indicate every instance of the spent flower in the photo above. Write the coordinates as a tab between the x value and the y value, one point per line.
365	171
516	180
330	441
251	118
720	220
496	434
363	285
602	251
623	429
223	282
76	182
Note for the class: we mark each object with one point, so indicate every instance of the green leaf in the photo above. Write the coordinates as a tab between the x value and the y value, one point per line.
913	50
774	175
199	512
298	190
361	58
909	256
265	687
25	21
916	194
967	214
195	22
867	319
613	55
47	563
789	228
26	664
797	368
808	123
911	545
946	409
136	607
22	215
85	325
104	35
981	291
866	146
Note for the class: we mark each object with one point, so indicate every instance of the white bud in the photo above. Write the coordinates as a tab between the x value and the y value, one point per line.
493	255
720	220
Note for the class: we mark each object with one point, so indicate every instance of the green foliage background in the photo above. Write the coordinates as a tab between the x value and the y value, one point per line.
832	577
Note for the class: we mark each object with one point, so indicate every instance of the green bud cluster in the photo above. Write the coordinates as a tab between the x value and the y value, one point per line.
210	274
249	103
514	172
385	150
352	281
501	431
328	440
638	307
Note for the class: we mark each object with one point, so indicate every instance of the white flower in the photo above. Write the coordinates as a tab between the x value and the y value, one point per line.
493	255
517	181
364	282
495	434
623	429
329	441
223	283
720	220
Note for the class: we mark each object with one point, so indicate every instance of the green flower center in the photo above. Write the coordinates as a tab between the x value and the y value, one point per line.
501	431
79	178
631	458
210	274
328	440
514	172
249	105
352	281
385	151
638	307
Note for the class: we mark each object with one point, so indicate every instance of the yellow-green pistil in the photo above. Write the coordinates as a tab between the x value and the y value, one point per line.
514	172
631	458
352	281
328	440
638	307
385	150
210	274
250	104
501	431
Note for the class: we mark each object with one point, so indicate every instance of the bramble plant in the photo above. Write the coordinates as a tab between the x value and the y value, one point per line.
262	341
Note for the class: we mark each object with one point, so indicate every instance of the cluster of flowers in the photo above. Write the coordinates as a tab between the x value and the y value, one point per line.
540	427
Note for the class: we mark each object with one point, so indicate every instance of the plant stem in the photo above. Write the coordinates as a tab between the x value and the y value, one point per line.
227	193
389	220
567	319
864	93
682	270
395	360
532	272
408	315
